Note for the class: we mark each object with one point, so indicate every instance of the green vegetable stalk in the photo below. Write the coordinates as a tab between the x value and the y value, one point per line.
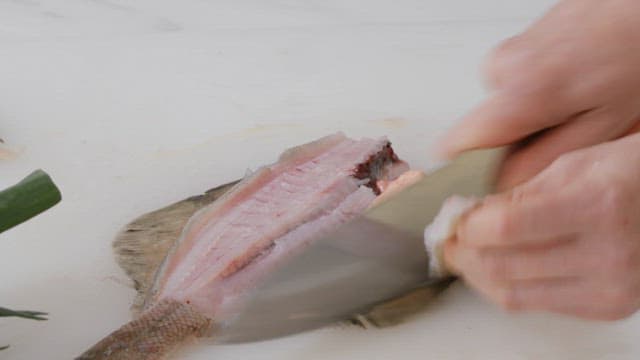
33	315
28	198
19	203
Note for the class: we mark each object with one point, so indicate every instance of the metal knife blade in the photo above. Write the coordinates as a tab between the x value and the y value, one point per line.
376	257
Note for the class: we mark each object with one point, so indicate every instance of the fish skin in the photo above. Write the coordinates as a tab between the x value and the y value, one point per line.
153	335
143	246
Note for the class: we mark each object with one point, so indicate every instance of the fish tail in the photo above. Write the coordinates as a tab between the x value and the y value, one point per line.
157	332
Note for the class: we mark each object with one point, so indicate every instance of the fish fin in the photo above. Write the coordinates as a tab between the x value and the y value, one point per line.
141	245
397	310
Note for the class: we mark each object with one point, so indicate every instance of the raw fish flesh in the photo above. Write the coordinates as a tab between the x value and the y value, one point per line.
194	261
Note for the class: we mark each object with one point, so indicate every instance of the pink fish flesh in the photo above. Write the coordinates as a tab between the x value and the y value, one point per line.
227	247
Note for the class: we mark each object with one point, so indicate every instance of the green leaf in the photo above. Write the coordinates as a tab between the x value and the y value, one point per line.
28	198
34	315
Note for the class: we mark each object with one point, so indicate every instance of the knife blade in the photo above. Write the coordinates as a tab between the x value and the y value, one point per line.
378	256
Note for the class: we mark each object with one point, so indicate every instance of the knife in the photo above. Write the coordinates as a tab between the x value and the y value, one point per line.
376	257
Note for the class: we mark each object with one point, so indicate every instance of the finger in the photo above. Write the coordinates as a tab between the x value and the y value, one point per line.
635	128
569	296
508	52
553	259
524	216
503	119
526	295
588	129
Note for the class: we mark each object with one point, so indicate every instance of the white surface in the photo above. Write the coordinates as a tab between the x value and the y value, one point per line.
131	105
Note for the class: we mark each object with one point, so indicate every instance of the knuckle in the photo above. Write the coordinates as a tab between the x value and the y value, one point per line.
495	268
615	203
503	223
513	63
503	53
571	167
567	162
519	195
526	67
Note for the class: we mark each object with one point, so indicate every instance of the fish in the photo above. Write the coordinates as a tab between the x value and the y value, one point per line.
194	262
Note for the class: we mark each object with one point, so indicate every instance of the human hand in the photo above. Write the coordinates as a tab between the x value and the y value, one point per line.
570	81
567	241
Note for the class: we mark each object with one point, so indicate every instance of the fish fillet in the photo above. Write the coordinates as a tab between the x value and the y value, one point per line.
226	247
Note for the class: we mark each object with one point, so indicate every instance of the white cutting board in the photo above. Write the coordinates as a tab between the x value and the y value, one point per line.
131	105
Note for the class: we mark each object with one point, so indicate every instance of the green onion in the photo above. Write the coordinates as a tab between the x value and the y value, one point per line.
28	198
19	203
34	315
